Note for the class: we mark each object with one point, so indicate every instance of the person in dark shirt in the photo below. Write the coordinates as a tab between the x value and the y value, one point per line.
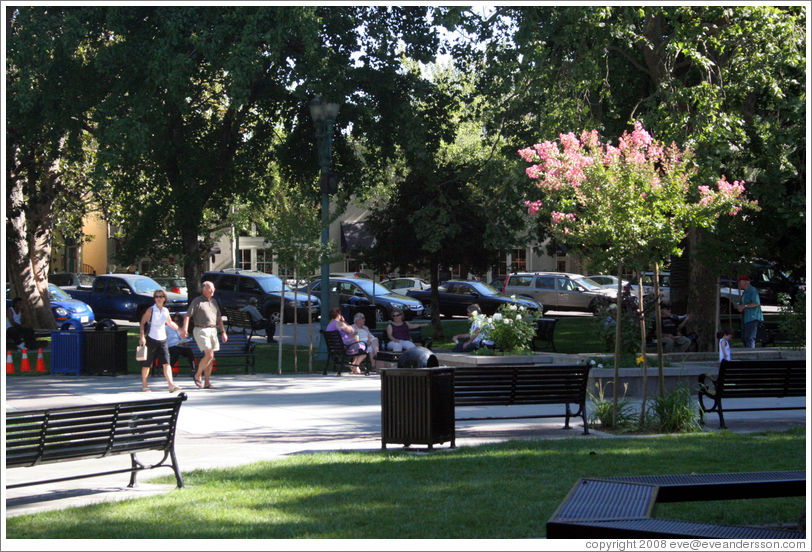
672	327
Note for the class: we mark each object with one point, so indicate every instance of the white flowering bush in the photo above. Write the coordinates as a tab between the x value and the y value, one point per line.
511	328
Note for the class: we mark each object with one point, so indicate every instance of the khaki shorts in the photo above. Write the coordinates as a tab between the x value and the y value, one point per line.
206	338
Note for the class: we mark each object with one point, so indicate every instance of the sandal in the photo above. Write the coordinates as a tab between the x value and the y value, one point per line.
146	390
198	383
173	389
209	386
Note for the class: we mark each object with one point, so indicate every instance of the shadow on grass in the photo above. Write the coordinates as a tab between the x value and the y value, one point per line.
506	491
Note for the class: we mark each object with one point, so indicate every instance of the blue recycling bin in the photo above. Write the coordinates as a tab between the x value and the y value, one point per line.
67	352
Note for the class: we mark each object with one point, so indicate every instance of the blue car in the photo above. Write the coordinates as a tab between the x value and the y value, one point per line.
66	310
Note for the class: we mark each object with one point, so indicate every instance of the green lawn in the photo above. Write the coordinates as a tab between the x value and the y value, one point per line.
505	491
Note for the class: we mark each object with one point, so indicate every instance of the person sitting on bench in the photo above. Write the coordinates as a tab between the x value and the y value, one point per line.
259	321
178	347
16	330
672	327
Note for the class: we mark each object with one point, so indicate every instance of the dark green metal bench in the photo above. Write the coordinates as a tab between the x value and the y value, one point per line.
35	437
237	346
749	379
524	385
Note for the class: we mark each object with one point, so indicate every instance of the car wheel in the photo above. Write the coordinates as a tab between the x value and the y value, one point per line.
724	305
380	315
274	317
427	310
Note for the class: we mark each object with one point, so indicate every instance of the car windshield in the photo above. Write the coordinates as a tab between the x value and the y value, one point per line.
590	285
371	288
85	279
145	285
56	294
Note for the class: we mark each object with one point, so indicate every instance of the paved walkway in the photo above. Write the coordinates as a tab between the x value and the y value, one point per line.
260	417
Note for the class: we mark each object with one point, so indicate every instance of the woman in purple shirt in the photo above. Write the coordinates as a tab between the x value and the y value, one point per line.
348	337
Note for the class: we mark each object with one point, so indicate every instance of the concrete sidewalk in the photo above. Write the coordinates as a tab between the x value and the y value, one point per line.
260	417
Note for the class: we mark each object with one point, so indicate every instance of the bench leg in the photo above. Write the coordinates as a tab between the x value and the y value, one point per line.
136	465
176	469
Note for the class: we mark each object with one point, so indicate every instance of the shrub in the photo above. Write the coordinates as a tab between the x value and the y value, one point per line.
603	409
793	316
673	412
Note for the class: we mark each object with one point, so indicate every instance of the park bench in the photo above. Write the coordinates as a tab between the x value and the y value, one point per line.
769	334
523	385
237	346
619	507
545	330
240	320
415	336
747	379
337	354
35	437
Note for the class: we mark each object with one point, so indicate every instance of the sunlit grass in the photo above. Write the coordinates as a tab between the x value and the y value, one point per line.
506	490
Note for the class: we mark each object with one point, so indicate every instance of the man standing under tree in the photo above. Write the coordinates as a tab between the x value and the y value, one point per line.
207	316
750	308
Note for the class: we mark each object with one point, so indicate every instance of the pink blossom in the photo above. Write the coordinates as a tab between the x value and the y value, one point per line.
534	171
590	139
643	195
528	154
639	136
570	143
533	206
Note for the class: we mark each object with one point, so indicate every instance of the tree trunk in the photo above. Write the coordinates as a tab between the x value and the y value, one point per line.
703	295
642	322
28	244
192	260
618	318
434	280
658	325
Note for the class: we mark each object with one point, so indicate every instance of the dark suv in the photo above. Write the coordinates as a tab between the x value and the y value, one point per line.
233	289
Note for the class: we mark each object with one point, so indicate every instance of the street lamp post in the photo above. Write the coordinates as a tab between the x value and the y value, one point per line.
324	115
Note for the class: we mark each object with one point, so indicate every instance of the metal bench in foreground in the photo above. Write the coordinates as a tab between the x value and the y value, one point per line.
35	437
621	507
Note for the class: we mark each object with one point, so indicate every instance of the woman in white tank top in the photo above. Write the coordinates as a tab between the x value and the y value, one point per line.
158	318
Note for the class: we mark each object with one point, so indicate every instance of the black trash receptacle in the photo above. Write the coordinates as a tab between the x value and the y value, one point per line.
418	357
417	406
105	353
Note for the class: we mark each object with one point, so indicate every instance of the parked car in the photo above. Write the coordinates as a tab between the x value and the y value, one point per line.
402	285
172	283
648	284
607	281
560	290
234	288
125	296
362	291
71	280
67	311
456	295
768	280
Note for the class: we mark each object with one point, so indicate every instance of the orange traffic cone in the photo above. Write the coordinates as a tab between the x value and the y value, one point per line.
9	363
25	366
175	368
213	365
40	362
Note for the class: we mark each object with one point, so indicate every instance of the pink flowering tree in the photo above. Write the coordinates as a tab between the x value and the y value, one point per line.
630	204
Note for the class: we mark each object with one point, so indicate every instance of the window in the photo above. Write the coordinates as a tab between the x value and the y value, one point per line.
545	282
520	281
228	283
265	261
244	260
249	285
98	286
565	284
